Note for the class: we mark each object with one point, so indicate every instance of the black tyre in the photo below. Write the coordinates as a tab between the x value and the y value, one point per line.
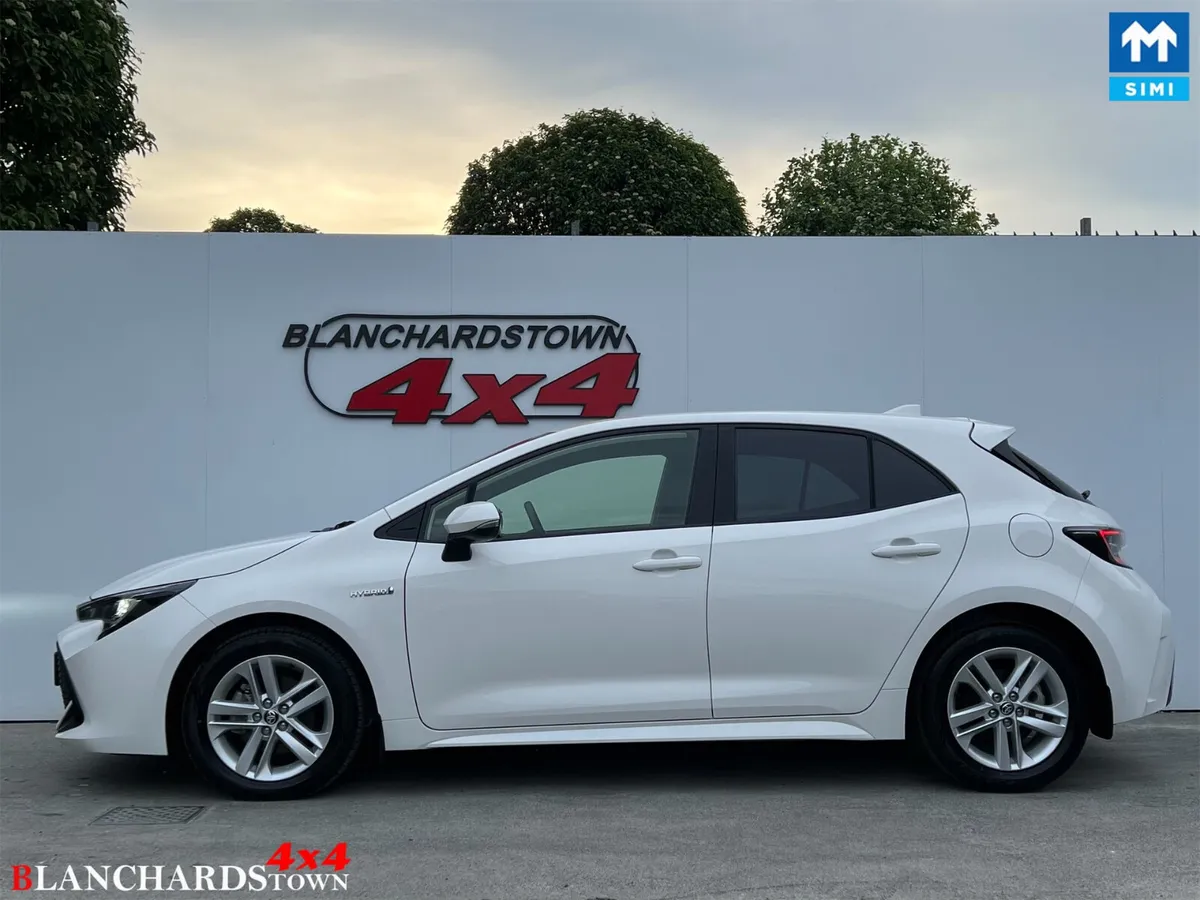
274	714
1002	709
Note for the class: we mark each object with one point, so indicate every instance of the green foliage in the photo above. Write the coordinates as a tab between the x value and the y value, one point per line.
67	118
615	174
264	221
876	186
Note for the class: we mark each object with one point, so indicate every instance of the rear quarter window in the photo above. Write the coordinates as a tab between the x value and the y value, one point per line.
1037	472
901	479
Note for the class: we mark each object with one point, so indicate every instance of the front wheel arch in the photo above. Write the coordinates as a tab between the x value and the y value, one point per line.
210	641
1054	626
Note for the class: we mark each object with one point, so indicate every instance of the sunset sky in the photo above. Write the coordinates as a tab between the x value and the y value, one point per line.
361	115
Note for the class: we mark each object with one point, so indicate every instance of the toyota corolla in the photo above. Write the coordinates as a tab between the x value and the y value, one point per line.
671	578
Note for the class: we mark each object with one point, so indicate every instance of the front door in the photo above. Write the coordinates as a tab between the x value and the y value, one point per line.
590	606
829	548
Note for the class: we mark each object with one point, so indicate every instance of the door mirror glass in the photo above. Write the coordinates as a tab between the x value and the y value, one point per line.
474	522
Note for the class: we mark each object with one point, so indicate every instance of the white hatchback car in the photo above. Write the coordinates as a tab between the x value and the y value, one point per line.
688	577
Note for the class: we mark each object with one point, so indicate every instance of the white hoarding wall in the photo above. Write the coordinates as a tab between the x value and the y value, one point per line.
164	393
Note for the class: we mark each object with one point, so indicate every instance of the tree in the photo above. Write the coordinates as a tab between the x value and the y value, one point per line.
615	174
67	117
264	221
876	186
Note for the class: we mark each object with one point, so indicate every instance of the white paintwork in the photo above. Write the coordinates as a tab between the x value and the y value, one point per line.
758	631
205	564
559	631
472	516
1031	535
804	620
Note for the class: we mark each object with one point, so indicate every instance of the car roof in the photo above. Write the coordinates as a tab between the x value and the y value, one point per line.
900	419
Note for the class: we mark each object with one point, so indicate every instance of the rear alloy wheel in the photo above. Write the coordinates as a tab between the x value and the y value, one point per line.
1003	710
274	714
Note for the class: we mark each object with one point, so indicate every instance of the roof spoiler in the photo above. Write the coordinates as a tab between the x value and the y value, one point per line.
985	434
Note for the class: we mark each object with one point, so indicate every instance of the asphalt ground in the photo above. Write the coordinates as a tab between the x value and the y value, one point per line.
649	822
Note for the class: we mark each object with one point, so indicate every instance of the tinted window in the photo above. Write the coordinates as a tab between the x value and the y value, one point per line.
608	484
1019	460
900	479
435	525
783	474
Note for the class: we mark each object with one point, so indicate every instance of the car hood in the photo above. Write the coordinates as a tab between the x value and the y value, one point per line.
205	564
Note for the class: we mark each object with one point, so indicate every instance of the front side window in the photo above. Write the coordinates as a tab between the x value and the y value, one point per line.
616	483
783	474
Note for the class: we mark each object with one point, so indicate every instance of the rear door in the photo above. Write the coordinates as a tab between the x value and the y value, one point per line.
829	548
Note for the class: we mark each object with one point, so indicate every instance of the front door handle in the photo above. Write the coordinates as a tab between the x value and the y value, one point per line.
668	563
905	548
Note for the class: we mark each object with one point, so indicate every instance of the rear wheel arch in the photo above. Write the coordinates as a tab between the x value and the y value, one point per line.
1051	624
223	632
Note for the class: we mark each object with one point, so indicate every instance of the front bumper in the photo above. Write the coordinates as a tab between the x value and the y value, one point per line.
72	716
115	688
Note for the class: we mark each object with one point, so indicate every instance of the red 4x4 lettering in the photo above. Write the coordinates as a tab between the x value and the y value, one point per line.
605	397
494	398
423	381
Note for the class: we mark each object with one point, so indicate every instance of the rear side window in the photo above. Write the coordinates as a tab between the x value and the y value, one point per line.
784	474
901	480
1039	473
791	474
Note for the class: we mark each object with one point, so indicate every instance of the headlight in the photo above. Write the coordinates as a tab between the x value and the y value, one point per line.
119	609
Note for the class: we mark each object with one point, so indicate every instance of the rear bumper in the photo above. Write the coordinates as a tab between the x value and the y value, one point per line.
1162	683
1131	631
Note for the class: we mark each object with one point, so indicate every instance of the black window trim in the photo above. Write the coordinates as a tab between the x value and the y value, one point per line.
1035	470
725	512
410	526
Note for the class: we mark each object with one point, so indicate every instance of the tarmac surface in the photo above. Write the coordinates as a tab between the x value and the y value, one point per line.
826	821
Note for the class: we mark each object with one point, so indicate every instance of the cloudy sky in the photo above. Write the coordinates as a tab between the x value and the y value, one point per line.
361	115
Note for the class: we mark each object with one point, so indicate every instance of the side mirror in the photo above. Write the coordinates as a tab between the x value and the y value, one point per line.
471	523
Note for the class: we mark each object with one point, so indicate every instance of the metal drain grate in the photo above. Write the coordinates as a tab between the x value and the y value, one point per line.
149	815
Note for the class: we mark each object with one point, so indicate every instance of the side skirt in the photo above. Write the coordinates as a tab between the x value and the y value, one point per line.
882	721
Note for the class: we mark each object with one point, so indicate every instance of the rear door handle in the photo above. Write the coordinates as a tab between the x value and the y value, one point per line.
668	563
905	548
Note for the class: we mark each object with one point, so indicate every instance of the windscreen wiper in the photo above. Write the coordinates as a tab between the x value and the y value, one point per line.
334	527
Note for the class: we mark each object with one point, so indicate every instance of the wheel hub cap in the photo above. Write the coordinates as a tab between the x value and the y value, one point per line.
270	718
1008	709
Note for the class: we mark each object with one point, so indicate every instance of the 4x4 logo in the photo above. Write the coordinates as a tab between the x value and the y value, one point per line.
422	396
505	358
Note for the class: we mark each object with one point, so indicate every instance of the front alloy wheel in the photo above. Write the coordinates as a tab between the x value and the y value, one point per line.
269	718
274	713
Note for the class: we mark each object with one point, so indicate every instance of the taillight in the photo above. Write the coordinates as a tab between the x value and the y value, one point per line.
1106	543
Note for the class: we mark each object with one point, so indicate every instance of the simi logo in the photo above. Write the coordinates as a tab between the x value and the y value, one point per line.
1150	52
462	369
